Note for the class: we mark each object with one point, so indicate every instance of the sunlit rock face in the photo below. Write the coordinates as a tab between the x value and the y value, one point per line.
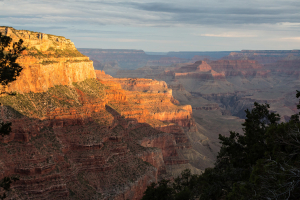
47	61
152	102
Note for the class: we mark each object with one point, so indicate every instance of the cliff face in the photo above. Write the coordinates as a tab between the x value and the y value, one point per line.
242	68
77	158
74	139
285	67
138	84
156	107
86	124
155	102
47	61
37	77
220	69
198	70
77	137
200	66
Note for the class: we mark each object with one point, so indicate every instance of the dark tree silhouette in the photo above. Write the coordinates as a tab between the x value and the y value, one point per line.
9	70
263	162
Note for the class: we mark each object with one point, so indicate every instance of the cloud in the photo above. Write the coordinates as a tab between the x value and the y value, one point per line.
296	39
151	13
160	22
228	35
130	40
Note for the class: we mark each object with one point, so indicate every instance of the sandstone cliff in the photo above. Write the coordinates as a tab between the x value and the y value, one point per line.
47	61
91	136
156	106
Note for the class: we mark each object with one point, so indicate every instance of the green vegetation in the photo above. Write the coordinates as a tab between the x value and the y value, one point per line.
38	104
69	53
51	49
181	189
54	53
36	53
91	87
31	104
261	163
48	62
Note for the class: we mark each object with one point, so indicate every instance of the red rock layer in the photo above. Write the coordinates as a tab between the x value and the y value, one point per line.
285	67
56	156
263	56
137	84
218	70
198	70
68	151
239	67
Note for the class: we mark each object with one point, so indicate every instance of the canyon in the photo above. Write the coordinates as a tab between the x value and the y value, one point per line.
105	124
232	85
78	133
220	86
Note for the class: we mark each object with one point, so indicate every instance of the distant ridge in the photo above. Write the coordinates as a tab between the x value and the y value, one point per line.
156	53
191	54
93	50
271	51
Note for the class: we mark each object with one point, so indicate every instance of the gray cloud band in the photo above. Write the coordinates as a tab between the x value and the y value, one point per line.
158	14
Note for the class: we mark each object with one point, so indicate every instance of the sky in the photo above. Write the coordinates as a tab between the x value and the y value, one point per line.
161	26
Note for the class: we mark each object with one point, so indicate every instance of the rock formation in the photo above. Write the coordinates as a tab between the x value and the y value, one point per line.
226	82
262	56
77	137
47	61
220	91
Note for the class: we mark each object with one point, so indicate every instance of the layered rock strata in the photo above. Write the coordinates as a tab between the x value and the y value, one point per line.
199	69
263	56
75	140
47	61
77	137
156	107
220	91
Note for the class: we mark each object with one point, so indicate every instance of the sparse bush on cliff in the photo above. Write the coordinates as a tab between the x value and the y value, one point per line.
261	163
56	53
48	62
68	53
36	53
